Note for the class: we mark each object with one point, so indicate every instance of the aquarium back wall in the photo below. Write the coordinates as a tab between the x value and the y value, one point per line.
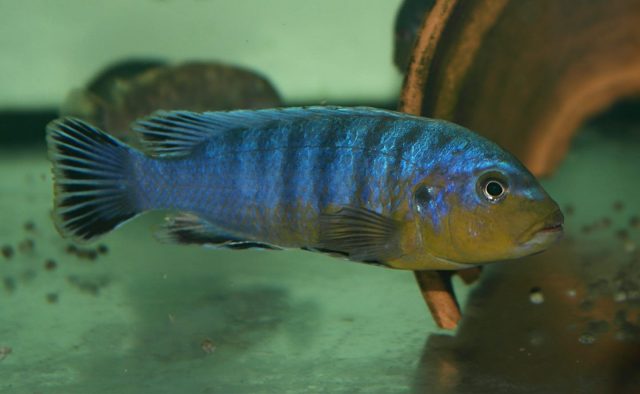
329	50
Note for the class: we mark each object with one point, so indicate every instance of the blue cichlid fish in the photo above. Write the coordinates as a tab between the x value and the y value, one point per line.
366	184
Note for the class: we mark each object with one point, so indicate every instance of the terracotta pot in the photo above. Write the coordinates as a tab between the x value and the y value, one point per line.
525	73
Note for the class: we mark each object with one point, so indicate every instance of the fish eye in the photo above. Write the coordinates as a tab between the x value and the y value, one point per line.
493	187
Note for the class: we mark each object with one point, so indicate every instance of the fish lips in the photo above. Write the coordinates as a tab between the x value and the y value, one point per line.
553	223
542	235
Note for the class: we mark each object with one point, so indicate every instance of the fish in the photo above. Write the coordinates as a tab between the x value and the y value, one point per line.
359	183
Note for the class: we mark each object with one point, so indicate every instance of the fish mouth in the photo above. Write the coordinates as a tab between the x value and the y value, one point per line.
543	235
552	228
552	223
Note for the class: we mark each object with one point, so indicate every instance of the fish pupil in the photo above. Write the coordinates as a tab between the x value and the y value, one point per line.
494	189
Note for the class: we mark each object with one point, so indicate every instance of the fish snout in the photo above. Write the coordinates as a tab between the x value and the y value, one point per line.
543	235
554	222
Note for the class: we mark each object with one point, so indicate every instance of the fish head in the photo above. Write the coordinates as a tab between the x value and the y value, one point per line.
489	208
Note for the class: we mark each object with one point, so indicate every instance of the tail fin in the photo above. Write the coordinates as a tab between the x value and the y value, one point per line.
91	179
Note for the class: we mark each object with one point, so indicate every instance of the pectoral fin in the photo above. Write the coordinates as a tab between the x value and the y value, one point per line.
187	228
360	234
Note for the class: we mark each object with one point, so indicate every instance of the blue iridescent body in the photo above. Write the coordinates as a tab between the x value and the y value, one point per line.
246	180
274	177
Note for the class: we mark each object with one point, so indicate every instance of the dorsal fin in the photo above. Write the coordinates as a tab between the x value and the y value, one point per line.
177	133
172	134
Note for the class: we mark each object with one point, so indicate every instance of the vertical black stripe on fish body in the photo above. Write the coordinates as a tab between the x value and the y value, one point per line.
346	182
438	142
399	165
280	175
364	168
390	178
324	159
244	151
264	159
410	137
226	167
404	142
230	177
205	193
290	174
263	173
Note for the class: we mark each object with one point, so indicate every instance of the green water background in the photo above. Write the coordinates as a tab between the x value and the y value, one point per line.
146	317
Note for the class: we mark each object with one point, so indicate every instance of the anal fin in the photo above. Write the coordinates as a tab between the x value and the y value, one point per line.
190	229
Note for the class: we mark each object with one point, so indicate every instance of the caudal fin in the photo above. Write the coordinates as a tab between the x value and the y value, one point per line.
92	179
